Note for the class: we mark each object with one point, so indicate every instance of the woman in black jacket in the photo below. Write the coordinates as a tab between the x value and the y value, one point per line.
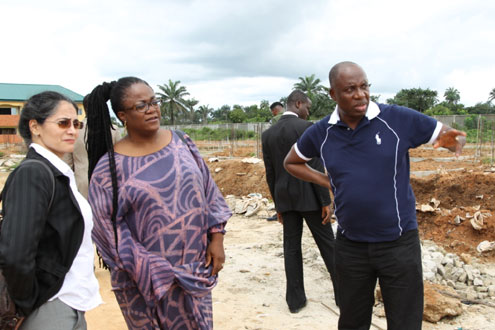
46	253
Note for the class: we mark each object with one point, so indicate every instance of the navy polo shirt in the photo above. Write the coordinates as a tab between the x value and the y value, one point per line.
368	168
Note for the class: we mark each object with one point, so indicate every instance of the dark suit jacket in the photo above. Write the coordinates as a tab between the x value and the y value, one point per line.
288	192
37	249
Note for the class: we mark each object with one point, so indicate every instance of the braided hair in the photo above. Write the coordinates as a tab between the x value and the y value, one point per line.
99	124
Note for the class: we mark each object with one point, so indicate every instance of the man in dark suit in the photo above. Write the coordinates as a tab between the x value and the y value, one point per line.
296	200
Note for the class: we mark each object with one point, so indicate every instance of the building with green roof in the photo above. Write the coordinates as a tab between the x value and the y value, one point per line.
12	99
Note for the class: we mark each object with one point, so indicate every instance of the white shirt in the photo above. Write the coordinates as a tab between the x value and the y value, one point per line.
289	113
80	289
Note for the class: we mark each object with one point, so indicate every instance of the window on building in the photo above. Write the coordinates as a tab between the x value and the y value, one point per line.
4	130
8	111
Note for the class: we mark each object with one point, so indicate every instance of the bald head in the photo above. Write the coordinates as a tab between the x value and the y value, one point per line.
339	67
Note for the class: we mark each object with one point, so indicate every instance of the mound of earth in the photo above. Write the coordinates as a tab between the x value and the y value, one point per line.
234	177
460	194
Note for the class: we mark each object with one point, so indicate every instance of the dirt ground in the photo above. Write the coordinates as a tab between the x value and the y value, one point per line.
250	293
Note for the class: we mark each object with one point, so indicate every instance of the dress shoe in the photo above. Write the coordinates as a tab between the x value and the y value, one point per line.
297	310
272	218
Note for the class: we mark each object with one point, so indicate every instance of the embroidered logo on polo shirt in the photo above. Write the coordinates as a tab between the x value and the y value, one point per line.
377	138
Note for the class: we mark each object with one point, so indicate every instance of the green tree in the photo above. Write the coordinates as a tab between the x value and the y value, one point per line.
251	111
310	85
283	100
452	96
481	108
237	115
438	110
203	112
190	104
172	97
472	122
415	98
322	105
375	98
491	97
264	104
264	112
221	114
458	109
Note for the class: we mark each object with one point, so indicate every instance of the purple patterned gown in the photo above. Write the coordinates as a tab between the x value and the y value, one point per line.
168	204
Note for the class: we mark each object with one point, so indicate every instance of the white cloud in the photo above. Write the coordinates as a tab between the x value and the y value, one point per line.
241	90
238	52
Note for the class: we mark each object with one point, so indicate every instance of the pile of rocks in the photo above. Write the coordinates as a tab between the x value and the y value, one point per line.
469	278
250	205
10	162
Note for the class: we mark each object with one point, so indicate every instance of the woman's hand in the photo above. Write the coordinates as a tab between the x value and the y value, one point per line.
215	253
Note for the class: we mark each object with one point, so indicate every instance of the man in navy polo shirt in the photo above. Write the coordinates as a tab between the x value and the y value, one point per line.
364	148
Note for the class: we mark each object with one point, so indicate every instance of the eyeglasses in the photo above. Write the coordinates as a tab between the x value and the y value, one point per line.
143	107
65	123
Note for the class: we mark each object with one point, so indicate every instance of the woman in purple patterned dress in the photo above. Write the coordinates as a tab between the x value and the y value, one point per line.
159	216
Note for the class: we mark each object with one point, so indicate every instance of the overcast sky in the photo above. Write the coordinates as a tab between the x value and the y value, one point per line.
242	52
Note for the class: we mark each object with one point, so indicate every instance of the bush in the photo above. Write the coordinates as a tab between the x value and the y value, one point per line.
471	122
472	134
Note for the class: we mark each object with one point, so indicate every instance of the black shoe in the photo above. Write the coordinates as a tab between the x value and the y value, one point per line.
272	218
297	310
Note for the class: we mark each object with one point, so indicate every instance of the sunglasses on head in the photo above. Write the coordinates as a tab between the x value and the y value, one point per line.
65	123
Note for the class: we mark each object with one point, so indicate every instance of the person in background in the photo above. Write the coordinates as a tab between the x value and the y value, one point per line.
46	253
78	160
277	110
159	216
364	148
296	200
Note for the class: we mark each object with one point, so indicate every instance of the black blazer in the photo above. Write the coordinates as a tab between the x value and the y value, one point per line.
288	192
37	249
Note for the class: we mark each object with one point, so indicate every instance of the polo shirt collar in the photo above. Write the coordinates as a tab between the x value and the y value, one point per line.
372	112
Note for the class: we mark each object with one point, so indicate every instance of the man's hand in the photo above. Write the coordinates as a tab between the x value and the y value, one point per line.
325	214
451	139
280	220
215	253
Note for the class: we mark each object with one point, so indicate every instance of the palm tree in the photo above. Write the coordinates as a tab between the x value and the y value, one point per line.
190	104
204	111
173	97
310	85
452	96
491	97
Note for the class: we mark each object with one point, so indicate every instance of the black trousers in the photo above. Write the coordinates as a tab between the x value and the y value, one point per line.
323	235
396	265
